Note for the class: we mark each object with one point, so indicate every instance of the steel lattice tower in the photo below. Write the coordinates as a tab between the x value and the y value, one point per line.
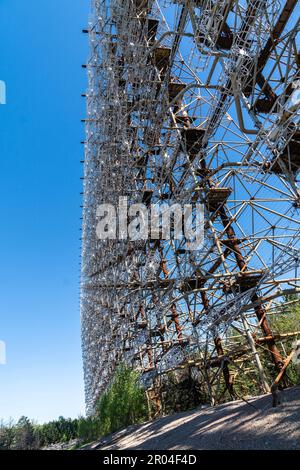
192	100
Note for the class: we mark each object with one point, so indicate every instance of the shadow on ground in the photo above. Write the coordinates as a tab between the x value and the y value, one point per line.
234	425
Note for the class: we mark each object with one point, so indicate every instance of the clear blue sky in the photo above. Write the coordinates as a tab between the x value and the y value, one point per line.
42	49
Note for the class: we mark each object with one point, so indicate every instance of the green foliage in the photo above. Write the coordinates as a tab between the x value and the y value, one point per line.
61	430
26	435
7	435
181	392
89	429
124	403
285	320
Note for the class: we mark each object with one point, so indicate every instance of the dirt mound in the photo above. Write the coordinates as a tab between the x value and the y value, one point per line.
235	425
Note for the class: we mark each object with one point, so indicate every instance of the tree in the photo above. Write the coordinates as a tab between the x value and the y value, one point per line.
89	429
124	403
7	435
286	319
24	435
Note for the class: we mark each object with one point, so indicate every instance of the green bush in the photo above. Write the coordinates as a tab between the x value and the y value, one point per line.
89	429
124	403
7	435
24	435
286	319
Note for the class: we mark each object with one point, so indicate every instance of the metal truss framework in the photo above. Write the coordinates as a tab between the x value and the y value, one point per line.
192	100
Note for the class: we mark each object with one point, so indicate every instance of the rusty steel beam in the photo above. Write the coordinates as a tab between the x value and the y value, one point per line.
219	349
274	386
259	310
270	46
276	33
174	313
243	31
263	57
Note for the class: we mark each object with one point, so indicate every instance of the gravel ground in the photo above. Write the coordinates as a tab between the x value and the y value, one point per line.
63	445
235	425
